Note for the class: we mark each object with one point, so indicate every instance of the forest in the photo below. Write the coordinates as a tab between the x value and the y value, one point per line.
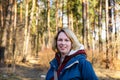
27	28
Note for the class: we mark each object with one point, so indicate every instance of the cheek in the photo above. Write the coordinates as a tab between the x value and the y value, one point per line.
57	44
70	45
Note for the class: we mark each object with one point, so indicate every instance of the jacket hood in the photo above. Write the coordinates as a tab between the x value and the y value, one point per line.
72	54
74	51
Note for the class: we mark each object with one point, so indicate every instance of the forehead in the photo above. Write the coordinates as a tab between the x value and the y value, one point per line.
62	34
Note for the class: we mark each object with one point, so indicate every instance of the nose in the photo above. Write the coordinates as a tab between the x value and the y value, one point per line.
63	41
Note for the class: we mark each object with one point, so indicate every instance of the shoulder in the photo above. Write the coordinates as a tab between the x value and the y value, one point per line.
83	62
81	57
53	61
86	69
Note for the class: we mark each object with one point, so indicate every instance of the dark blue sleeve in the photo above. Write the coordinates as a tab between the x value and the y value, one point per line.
87	70
49	74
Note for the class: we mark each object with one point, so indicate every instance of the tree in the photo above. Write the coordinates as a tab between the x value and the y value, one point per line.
56	15
84	15
100	25
2	48
1	14
107	35
26	32
116	31
87	25
14	36
21	11
48	22
70	14
111	25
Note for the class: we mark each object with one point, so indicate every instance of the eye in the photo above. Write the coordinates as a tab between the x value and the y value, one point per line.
67	40
59	39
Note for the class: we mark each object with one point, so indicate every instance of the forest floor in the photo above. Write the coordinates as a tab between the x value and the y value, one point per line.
32	70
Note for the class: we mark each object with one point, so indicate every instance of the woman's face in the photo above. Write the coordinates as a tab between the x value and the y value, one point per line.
63	44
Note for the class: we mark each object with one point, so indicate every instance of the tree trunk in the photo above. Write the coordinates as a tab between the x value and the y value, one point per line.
48	23
87	25
70	16
116	34
100	25
38	34
111	26
9	21
14	36
84	17
56	15
1	24
1	16
60	18
62	12
2	49
107	35
21	12
3	33
25	44
70	20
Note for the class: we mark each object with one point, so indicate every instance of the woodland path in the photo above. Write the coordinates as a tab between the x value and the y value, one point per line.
36	73
32	71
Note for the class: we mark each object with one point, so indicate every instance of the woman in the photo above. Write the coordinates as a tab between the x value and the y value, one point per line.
70	60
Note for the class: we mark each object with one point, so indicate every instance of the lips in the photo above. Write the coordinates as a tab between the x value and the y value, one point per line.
62	47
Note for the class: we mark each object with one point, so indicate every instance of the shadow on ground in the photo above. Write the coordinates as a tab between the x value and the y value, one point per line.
22	72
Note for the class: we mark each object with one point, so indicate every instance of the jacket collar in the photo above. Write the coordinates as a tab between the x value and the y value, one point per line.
78	54
74	51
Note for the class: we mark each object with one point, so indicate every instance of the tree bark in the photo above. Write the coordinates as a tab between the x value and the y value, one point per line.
1	16
87	25
25	44
116	34
84	21
107	35
21	11
14	36
48	23
100	25
56	15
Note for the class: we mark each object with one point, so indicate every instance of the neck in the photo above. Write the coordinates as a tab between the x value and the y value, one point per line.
63	55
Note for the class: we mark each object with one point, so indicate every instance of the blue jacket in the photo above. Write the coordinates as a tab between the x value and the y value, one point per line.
77	68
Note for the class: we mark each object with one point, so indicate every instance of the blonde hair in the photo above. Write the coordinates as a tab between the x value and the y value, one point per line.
70	34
